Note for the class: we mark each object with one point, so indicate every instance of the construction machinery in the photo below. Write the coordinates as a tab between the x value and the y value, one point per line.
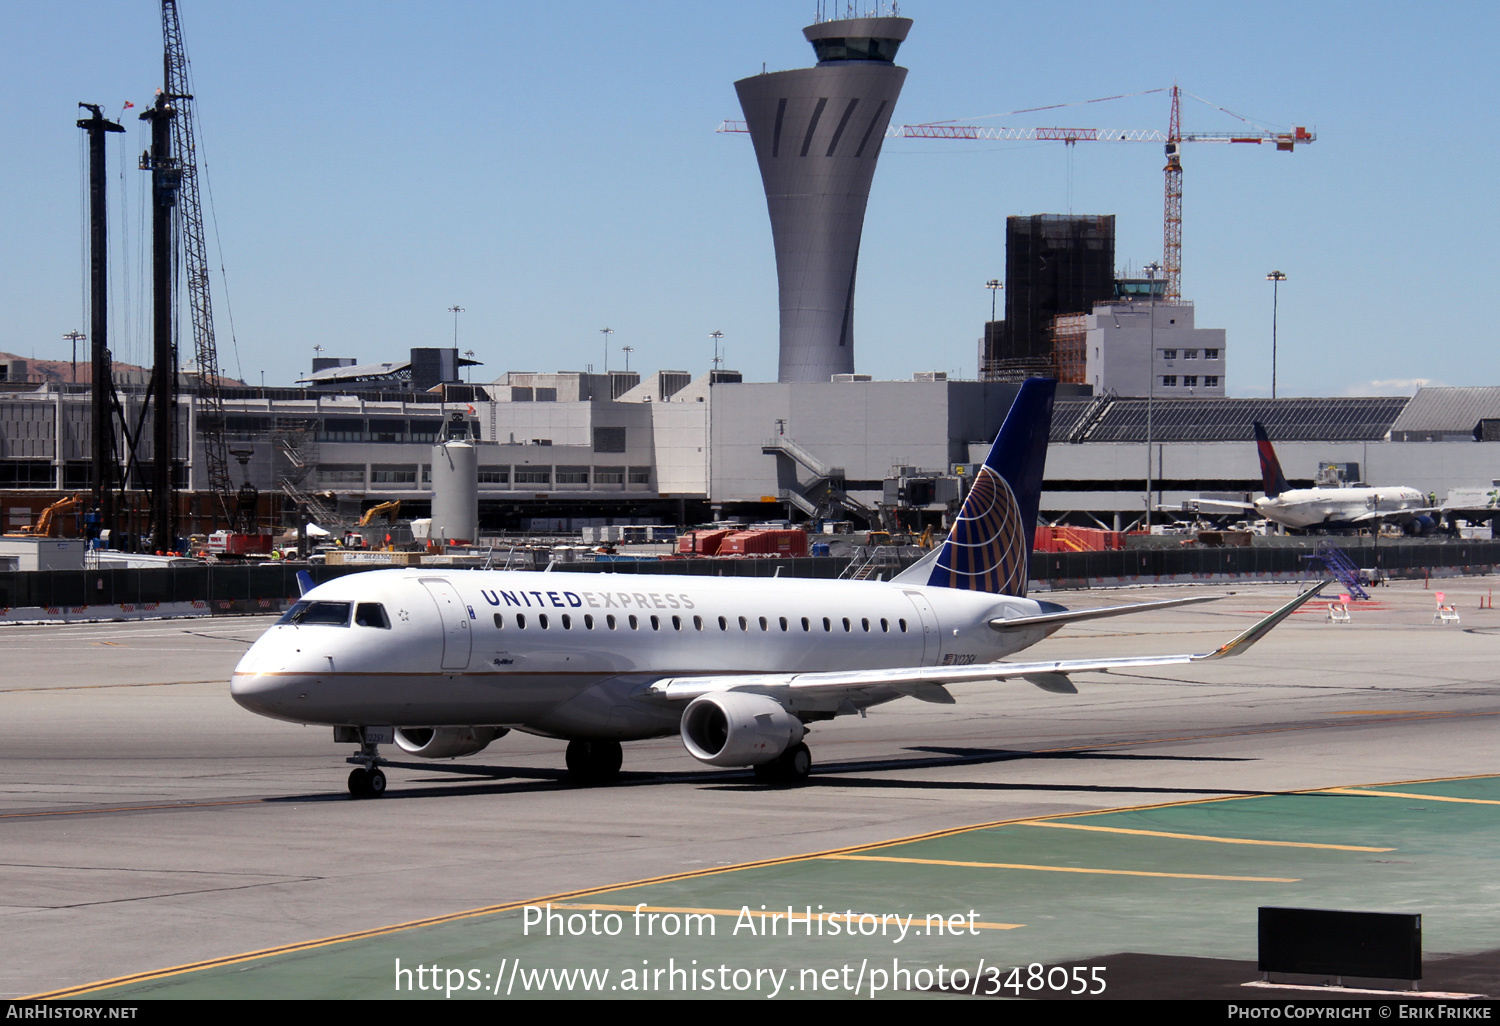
49	523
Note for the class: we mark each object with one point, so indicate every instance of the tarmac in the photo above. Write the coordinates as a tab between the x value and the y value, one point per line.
159	841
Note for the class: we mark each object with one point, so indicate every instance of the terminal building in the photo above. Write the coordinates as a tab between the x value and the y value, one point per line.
685	449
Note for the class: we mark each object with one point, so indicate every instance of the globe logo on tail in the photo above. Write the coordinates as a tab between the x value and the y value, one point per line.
987	549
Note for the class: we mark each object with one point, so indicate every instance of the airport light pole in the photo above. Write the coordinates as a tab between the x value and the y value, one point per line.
1152	270
994	285
606	332
75	337
455	310
716	335
627	350
1275	278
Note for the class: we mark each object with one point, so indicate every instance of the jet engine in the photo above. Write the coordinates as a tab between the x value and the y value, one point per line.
446	742
738	728
1421	526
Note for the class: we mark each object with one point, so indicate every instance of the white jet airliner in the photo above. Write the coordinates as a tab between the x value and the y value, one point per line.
1304	508
442	662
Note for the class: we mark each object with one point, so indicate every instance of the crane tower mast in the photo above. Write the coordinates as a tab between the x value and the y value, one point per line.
210	419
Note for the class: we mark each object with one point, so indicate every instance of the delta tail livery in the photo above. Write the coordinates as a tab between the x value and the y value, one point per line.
443	662
1303	508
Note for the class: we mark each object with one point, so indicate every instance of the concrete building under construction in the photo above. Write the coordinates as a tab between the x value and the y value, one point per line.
1055	265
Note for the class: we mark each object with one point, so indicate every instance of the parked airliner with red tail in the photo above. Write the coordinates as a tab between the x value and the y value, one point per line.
1356	506
442	662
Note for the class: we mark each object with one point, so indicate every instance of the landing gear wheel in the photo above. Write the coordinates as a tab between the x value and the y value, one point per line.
790	767
366	783
594	762
796	763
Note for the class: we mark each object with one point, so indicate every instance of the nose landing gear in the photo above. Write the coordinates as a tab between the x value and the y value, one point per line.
366	783
366	780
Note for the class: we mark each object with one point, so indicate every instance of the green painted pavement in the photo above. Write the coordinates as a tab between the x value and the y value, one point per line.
1444	865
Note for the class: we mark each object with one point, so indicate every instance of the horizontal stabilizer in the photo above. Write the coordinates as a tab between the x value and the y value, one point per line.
1074	615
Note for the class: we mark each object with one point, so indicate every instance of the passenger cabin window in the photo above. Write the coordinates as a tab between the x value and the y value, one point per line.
316	614
634	624
542	619
610	620
697	623
371	614
499	621
588	621
521	621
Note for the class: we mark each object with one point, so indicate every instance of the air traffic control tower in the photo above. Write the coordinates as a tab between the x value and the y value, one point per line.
817	133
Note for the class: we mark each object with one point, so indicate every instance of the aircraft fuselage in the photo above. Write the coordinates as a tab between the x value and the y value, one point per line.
567	655
1339	507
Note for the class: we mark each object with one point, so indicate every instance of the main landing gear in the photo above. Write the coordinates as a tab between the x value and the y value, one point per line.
593	762
790	767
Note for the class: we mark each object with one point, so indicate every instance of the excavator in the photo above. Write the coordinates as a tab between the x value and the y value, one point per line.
49	523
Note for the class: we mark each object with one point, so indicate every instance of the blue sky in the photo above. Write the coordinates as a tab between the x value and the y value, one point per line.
554	170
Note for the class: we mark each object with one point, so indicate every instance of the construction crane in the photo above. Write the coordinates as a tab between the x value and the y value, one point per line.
1172	139
210	420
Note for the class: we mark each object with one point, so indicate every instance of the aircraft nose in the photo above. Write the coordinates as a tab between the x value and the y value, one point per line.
256	692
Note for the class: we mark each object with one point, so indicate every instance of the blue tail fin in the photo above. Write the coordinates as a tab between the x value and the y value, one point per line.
989	547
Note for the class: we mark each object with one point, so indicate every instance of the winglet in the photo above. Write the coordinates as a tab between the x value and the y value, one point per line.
304	582
1260	630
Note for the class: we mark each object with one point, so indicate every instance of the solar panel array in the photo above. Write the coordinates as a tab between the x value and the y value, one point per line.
1231	420
1066	413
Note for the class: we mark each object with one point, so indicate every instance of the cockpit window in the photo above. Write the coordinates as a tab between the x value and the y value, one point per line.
371	614
324	614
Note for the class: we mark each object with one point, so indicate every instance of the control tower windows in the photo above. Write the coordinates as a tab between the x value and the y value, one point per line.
856	49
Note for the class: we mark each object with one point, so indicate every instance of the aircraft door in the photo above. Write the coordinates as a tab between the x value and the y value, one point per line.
458	637
932	641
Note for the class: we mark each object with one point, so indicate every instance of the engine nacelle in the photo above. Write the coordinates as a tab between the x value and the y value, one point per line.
738	728
446	742
1421	526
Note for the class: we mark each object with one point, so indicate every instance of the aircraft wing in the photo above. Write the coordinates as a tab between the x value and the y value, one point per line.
1395	514
1198	504
926	682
